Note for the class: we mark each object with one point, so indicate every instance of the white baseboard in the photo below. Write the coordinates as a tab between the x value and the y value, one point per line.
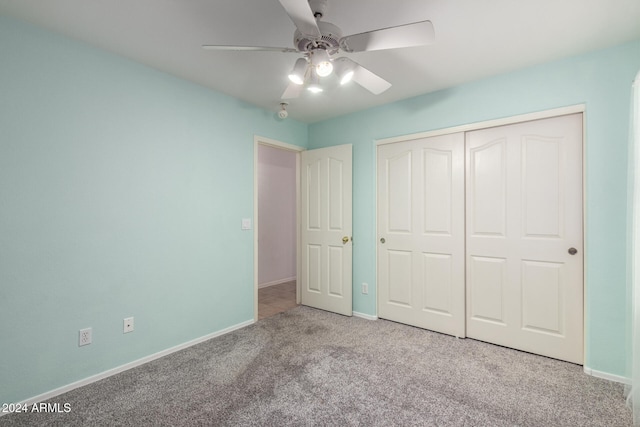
127	366
365	316
276	282
606	376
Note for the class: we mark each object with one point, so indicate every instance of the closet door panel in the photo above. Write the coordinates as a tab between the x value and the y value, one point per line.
421	233
524	207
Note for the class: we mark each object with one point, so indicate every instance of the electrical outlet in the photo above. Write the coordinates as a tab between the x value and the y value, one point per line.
84	337
128	325
365	288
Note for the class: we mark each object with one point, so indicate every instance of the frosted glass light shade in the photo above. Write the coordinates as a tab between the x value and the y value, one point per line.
345	71
299	70
324	68
321	61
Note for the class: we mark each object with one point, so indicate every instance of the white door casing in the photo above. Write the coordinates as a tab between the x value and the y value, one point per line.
524	213
326	229
421	233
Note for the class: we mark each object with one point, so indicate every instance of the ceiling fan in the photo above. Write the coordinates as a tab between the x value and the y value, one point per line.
320	42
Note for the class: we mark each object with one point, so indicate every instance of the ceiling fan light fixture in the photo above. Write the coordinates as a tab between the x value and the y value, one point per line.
314	84
299	70
344	71
320	42
346	77
322	62
324	68
295	78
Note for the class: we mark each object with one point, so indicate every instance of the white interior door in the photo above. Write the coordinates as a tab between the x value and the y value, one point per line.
524	214
421	233
326	229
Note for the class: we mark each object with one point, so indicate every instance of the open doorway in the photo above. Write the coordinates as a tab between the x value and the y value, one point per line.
276	172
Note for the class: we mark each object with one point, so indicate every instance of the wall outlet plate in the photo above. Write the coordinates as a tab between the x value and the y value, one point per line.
365	288
128	325
84	337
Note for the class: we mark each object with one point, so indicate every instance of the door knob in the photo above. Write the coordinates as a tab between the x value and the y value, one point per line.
345	239
573	251
382	240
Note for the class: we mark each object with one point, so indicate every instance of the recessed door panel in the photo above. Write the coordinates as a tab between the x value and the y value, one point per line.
313	190
335	197
437	276
400	269
542	297
542	186
335	269
438	191
313	268
488	188
487	281
399	200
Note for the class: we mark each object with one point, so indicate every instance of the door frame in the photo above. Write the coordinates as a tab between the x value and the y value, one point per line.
257	141
545	114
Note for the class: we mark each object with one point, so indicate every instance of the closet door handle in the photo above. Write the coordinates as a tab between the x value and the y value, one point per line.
382	240
573	251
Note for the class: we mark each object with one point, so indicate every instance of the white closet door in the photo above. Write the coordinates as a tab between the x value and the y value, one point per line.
421	233
326	224
524	221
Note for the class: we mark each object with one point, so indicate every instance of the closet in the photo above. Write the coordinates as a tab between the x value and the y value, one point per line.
480	235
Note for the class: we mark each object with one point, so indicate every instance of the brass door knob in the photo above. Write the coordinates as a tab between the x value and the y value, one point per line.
382	240
345	240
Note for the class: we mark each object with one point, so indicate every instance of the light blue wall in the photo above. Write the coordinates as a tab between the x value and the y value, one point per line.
121	194
602	81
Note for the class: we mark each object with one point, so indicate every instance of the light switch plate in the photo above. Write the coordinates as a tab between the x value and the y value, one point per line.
246	223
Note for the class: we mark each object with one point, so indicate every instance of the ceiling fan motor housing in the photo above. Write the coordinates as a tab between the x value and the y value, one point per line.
330	40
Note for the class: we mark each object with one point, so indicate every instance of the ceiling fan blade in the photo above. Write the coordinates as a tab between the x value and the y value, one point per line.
292	91
367	79
302	16
248	48
409	35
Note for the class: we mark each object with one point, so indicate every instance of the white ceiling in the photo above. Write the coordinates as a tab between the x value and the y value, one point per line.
474	39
